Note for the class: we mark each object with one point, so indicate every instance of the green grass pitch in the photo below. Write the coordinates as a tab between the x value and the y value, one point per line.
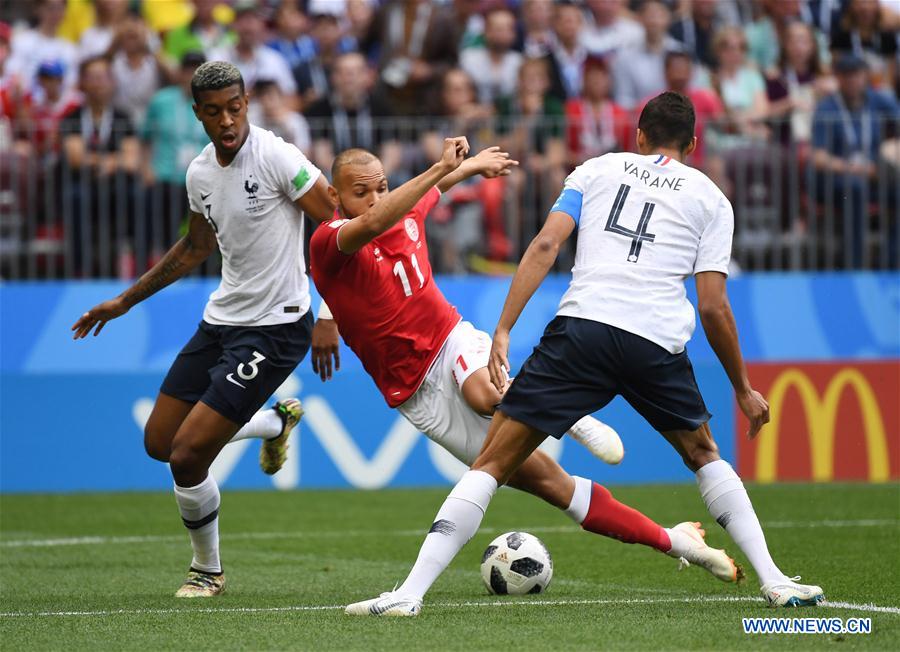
293	558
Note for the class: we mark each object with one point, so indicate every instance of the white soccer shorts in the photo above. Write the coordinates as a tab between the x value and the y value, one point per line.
438	407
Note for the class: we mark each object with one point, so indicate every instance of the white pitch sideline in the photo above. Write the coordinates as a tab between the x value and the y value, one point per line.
849	606
324	534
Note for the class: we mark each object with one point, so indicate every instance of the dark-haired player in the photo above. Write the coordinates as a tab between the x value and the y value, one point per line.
645	223
371	265
247	191
398	323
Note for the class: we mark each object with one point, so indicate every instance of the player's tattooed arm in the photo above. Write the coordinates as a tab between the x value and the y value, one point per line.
184	256
388	211
537	261
489	163
195	247
721	331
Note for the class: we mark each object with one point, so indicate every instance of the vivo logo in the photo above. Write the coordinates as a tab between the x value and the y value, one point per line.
324	423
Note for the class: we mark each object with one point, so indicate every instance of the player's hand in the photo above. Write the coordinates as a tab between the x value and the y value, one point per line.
491	162
326	345
98	316
498	362
455	152
756	408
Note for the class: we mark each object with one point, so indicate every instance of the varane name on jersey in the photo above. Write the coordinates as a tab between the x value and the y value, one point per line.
645	223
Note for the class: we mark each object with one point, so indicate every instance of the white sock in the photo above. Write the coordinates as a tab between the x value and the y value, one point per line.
728	503
681	542
581	500
265	424
456	522
199	508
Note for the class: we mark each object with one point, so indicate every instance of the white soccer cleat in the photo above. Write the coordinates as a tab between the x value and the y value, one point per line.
689	546
387	604
790	594
602	441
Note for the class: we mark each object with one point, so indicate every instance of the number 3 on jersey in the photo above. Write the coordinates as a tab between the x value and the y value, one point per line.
400	270
639	236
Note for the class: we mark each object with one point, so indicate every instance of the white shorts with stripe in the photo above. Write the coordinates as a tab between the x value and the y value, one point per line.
438	407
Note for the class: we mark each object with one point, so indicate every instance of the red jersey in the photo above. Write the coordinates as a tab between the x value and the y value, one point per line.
389	310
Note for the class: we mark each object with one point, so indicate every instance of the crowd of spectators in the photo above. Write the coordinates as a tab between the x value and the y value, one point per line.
97	92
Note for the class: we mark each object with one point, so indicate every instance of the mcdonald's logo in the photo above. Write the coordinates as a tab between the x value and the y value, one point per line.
830	421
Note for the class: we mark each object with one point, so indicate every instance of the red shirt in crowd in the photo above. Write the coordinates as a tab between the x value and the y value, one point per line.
592	132
45	119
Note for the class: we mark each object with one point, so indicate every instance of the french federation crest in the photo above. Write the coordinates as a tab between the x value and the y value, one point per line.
251	188
412	229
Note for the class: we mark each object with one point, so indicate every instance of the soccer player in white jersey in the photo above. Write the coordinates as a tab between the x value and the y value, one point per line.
370	263
645	223
247	191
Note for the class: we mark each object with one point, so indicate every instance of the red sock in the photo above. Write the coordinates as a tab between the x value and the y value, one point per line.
609	517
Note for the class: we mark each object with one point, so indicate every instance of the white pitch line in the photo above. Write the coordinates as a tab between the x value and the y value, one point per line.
863	607
446	605
871	522
236	536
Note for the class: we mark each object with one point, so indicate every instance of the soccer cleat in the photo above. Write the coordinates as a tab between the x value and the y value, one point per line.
692	549
387	604
201	585
273	453
790	594
602	441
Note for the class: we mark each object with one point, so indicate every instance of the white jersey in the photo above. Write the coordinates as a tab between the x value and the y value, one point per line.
250	206
646	223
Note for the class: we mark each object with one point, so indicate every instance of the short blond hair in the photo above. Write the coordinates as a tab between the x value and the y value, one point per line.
352	156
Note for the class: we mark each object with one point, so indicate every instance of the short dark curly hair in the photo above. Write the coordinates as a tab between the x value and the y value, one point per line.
668	121
214	76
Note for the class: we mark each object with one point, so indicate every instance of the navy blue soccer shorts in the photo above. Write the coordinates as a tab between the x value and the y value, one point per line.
581	365
235	369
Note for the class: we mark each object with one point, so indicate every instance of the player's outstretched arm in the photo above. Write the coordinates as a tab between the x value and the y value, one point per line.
721	331
184	256
390	210
537	261
489	163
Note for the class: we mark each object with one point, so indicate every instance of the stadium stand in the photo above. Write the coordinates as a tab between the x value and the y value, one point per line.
797	100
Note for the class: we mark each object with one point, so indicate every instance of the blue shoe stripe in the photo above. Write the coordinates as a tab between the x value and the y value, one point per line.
800	602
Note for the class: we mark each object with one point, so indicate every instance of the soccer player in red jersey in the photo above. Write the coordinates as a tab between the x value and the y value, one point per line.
370	263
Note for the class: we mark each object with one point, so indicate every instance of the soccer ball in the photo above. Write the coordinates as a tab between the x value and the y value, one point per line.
516	563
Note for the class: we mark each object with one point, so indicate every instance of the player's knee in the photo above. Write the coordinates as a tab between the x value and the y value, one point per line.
156	444
480	394
491	468
184	460
701	455
484	403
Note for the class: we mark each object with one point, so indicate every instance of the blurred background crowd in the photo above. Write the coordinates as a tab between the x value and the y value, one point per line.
796	105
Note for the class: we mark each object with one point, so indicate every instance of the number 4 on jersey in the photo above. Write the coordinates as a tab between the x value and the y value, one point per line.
638	236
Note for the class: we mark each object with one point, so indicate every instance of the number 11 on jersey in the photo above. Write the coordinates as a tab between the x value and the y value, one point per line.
400	270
